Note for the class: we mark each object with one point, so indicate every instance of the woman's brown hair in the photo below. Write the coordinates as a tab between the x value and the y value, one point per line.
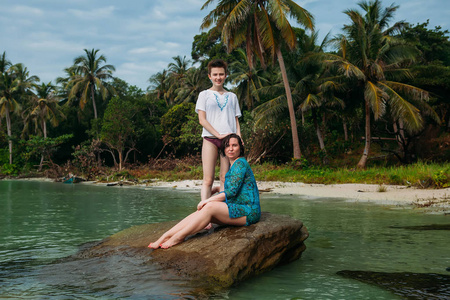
226	143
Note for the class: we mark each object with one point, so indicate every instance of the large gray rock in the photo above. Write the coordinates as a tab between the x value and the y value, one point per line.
220	257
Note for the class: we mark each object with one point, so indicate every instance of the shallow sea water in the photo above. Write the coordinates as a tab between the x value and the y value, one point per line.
41	223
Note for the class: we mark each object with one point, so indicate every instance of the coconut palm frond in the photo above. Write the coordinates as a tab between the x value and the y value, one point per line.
402	109
376	99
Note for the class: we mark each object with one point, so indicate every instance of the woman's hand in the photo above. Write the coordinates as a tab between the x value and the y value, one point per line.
201	204
217	197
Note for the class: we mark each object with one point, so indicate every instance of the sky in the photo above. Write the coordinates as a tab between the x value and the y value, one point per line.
141	37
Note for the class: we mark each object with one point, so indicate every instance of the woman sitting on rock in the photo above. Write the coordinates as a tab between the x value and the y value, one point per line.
237	205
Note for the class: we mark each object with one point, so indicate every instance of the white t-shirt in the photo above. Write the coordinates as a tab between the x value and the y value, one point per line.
221	111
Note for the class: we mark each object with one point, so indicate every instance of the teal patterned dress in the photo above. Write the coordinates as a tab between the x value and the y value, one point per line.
241	192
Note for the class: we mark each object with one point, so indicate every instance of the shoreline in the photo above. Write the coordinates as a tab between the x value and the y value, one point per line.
436	200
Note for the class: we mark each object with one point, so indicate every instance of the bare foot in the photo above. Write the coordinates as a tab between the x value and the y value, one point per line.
158	242
154	245
215	189
170	243
208	227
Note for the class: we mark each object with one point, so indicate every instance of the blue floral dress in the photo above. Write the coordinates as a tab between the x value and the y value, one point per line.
241	192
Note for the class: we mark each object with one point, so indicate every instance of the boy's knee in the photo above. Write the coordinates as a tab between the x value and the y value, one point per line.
208	181
222	178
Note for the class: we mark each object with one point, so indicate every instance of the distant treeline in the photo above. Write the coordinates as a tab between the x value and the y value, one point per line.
379	89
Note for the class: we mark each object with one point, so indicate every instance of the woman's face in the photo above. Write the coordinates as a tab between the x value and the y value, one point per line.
233	150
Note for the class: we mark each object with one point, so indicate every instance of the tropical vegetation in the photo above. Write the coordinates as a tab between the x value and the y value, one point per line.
375	95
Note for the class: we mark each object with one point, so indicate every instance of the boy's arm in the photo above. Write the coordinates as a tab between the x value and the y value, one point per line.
238	127
202	120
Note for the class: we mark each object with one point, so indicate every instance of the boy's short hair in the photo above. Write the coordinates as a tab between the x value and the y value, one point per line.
217	63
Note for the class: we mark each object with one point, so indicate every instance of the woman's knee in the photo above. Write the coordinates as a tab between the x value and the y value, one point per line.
213	208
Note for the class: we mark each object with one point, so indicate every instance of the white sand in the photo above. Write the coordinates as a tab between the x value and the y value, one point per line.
437	199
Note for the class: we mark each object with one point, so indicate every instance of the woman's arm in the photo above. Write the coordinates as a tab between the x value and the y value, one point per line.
218	197
236	178
202	120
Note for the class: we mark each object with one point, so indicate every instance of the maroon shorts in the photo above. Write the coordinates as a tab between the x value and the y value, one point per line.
217	142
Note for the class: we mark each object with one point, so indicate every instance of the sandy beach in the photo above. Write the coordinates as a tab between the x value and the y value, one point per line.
435	199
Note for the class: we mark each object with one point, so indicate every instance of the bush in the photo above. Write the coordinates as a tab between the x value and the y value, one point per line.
9	169
181	130
442	178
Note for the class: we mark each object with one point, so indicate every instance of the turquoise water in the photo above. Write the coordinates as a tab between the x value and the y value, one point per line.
43	222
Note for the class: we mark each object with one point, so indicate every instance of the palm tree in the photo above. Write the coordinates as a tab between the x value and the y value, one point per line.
195	81
65	84
376	59
177	75
4	65
263	26
45	109
316	87
314	90
159	87
8	102
15	86
27	82
246	80
90	75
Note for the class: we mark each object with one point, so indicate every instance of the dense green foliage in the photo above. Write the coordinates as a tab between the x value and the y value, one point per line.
378	84
182	132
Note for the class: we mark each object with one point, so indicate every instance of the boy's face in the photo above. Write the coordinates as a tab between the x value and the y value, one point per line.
217	76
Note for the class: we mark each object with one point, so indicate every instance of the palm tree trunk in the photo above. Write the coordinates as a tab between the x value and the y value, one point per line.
318	131
44	130
93	101
248	49
363	161
8	128
95	116
344	125
295	140
325	159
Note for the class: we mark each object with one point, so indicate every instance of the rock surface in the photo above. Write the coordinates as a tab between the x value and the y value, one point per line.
220	257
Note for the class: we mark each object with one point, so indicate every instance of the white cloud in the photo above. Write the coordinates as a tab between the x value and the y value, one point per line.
145	50
141	37
93	14
23	10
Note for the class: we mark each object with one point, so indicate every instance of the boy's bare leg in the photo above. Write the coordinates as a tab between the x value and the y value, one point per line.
224	167
209	159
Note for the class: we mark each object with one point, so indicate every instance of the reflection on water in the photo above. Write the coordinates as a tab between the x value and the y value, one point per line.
410	285
41	223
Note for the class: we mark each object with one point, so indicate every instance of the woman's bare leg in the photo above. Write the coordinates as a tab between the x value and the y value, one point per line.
209	159
217	211
169	233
